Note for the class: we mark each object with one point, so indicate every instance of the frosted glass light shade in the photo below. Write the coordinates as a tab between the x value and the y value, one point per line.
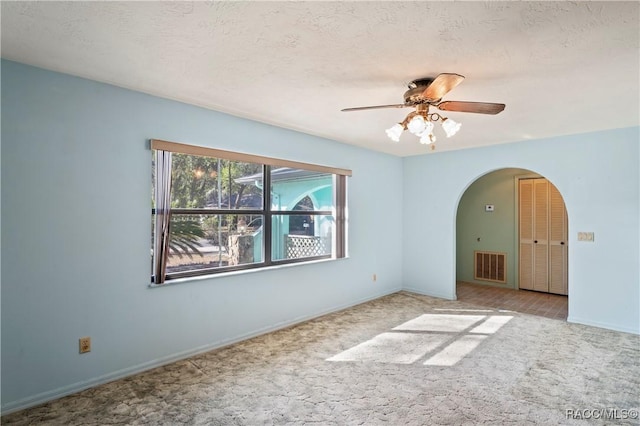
427	137
450	127
428	128
417	125
394	132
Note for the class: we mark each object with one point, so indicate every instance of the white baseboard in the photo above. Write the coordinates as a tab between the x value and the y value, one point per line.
43	397
608	326
431	294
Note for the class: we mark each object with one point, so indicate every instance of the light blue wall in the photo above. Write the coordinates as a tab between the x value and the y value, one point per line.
596	173
76	179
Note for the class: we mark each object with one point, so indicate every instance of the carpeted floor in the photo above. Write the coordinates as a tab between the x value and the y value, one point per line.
403	359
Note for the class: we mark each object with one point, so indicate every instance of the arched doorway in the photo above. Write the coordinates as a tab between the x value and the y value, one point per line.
302	224
511	234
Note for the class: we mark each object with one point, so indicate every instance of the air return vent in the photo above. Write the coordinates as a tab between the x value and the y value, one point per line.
490	266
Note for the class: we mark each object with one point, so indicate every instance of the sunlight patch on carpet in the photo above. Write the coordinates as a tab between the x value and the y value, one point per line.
456	351
396	348
425	337
440	322
491	325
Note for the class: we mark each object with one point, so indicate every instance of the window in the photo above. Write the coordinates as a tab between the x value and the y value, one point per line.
211	212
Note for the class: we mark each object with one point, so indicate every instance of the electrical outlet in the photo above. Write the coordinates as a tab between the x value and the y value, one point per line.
585	236
374	278
85	345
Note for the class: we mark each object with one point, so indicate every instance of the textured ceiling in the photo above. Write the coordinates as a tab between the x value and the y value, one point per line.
560	67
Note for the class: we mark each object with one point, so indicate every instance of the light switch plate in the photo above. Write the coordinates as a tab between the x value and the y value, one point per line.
488	207
585	236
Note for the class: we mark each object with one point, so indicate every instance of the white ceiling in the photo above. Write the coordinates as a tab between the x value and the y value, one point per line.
560	67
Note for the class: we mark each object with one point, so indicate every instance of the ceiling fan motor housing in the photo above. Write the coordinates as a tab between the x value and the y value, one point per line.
416	89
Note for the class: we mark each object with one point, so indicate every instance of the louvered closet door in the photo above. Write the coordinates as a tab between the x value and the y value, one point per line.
541	235
525	209
557	242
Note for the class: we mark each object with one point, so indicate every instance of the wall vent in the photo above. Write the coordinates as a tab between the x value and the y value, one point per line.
490	266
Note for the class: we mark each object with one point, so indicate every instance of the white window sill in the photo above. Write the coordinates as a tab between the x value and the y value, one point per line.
242	272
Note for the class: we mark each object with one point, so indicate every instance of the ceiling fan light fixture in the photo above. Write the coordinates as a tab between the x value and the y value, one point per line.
395	131
450	127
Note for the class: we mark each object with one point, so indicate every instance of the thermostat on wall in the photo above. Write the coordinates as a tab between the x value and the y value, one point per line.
488	207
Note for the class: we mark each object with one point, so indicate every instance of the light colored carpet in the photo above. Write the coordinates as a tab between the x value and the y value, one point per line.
403	359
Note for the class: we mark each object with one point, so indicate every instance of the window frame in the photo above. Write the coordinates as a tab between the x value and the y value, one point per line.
339	240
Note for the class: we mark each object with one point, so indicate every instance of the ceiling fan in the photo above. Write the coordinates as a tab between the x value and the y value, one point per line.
428	92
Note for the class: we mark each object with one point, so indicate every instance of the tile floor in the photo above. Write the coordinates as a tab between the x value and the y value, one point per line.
528	302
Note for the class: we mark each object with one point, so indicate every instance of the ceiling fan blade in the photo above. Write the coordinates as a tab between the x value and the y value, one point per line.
442	84
477	107
376	107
